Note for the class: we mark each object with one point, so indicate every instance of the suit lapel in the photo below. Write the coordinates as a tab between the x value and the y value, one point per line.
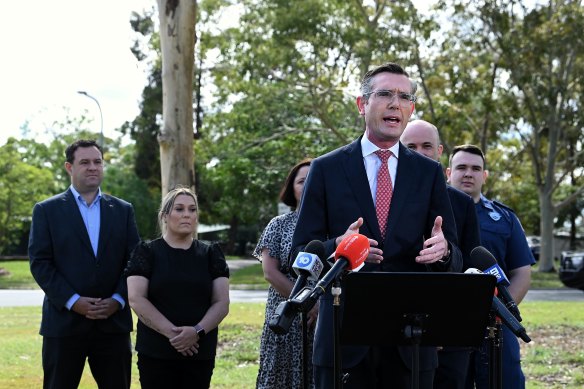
71	212
357	178
106	220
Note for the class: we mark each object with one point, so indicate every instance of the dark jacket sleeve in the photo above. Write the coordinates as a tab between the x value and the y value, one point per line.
42	263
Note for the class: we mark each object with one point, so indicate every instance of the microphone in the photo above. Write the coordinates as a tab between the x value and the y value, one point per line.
350	255
509	320
485	261
308	265
503	313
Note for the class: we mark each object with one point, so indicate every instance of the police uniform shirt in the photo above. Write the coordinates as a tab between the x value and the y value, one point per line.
502	235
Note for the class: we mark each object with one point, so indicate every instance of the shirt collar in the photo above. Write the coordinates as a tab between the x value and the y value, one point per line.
78	196
486	202
368	148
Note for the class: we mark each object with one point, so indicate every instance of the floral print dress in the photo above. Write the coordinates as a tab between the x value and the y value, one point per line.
281	355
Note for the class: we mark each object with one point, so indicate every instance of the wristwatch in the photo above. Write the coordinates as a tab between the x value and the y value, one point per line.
200	331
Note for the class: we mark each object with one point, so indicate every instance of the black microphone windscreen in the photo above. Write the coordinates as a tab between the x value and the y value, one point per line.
481	258
316	247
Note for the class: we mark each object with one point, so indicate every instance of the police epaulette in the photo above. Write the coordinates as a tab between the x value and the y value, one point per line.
503	205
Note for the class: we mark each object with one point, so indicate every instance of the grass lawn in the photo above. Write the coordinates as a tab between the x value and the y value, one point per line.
236	363
250	277
18	276
553	359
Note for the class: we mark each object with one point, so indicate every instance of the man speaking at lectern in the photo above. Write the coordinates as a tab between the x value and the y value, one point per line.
395	197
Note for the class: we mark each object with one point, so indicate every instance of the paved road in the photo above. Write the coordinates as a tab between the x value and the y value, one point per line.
12	298
15	298
21	298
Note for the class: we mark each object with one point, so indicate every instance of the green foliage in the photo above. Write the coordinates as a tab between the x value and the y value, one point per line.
120	181
30	172
282	77
285	76
144	130
528	102
21	186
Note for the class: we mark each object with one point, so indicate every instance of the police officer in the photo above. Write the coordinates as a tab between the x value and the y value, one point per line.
503	236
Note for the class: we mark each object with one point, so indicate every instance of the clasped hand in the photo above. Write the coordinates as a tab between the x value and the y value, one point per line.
95	308
186	340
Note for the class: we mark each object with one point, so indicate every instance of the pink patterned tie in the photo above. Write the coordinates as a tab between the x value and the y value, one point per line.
384	190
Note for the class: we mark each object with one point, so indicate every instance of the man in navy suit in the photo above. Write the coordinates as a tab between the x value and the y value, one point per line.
79	243
423	138
341	192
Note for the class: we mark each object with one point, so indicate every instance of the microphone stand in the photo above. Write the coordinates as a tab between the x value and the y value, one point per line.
495	337
414	332
338	359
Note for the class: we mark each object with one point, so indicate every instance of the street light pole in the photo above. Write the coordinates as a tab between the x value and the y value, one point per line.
81	92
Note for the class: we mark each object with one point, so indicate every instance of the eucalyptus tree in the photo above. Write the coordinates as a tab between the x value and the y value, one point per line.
286	79
177	42
536	56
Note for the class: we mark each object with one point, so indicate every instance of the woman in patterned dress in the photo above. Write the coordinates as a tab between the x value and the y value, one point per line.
281	355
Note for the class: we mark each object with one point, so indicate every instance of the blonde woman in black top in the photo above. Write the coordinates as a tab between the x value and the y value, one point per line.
179	288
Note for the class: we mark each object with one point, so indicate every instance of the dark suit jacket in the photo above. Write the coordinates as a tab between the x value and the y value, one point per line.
337	192
62	262
467	223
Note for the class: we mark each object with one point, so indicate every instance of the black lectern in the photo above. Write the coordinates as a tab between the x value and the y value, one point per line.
416	309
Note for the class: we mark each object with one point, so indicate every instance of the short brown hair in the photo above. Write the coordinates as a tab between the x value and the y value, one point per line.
72	148
468	148
287	192
390	67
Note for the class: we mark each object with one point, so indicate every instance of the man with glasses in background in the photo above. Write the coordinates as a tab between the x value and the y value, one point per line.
395	197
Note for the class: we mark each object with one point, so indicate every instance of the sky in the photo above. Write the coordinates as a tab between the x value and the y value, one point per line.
51	49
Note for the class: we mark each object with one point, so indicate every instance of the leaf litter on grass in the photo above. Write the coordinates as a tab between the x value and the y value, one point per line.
555	356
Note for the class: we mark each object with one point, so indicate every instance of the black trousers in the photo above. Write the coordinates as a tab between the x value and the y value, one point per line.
452	368
382	368
175	373
109	357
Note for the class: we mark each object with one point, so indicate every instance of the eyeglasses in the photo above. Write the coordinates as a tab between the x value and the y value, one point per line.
403	98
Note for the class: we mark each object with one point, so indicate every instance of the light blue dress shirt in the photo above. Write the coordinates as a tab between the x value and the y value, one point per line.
91	215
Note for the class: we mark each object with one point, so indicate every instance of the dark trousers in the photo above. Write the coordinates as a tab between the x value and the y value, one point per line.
109	357
452	368
175	373
382	368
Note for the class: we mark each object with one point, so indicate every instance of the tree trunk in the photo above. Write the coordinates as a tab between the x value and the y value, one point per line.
546	255
177	42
